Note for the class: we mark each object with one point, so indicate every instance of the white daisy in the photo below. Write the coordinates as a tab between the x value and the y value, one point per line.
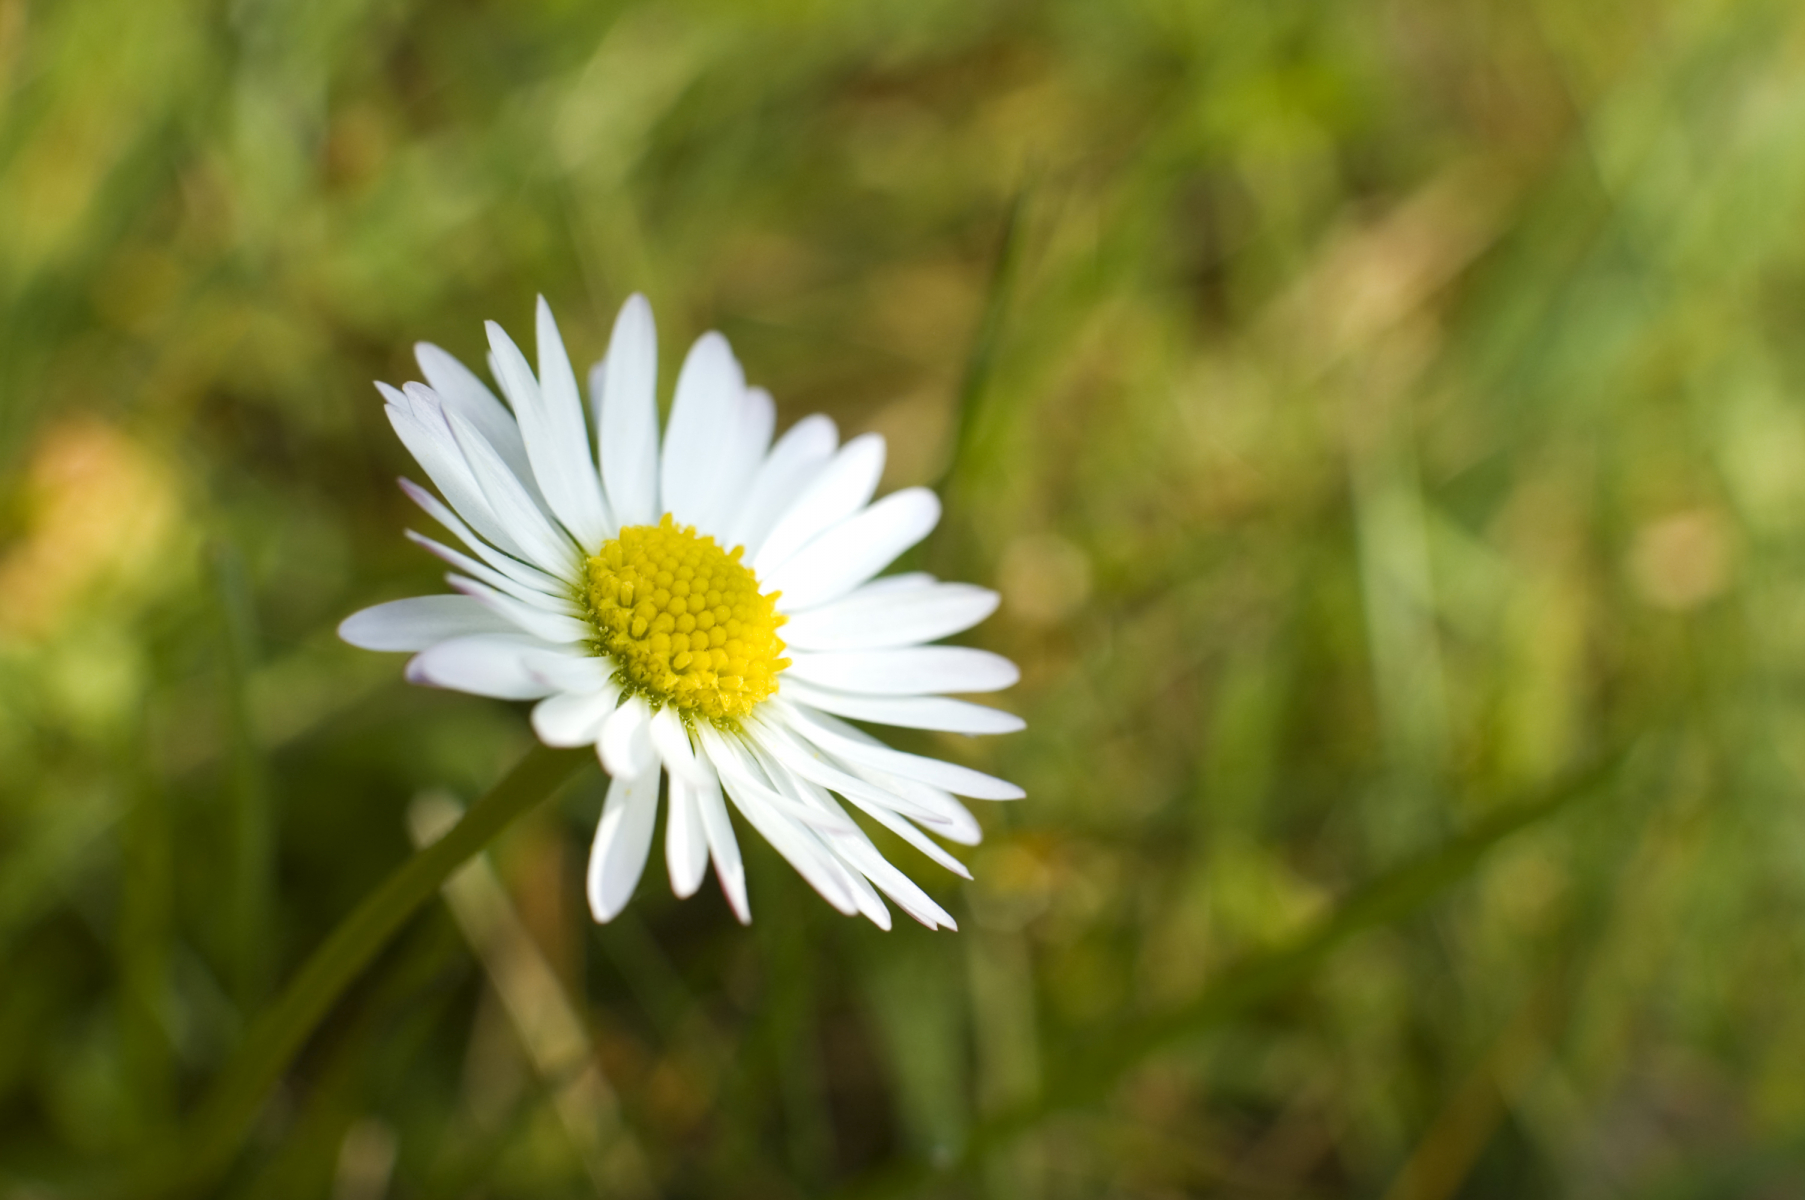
706	610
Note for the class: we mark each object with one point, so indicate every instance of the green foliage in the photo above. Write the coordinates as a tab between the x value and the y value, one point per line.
1375	416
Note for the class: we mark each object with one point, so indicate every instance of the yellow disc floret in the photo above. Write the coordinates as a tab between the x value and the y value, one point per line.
685	620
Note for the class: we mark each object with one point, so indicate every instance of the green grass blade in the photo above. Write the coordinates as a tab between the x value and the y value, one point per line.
226	1116
980	364
1085	1078
252	880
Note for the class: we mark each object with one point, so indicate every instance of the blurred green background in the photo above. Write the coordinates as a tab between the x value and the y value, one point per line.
1372	413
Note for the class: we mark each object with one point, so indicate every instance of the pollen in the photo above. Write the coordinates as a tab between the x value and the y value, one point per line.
685	620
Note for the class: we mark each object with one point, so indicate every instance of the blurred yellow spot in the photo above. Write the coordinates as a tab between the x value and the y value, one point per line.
1044	578
1681	561
98	509
685	620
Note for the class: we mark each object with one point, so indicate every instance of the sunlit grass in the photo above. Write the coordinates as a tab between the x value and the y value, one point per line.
1373	415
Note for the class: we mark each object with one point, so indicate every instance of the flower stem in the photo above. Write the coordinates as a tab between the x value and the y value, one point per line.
229	1110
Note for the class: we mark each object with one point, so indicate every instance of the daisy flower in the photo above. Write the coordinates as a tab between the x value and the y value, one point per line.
702	606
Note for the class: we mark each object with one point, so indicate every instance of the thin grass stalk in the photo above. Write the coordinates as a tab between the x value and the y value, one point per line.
1391	897
247	787
230	1109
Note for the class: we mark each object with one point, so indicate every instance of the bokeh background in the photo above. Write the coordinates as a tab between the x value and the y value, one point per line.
1375	416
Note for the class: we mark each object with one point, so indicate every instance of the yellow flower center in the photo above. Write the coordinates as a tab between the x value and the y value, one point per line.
685	620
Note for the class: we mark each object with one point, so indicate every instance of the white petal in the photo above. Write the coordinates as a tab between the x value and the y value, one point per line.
791	751
795	461
731	758
574	718
685	842
417	623
871	906
842	847
905	891
622	839
513	568
626	743
902	828
961	781
843	487
883	614
908	579
758	422
817	766
551	422
424	430
843	557
772	816
671	741
818	868
724	850
735	765
895	798
912	671
507	584
908	712
865	859
546	626
744	451
952	820
856	850
580	672
486	664
581	506
544	546
626	382
461	391
704	414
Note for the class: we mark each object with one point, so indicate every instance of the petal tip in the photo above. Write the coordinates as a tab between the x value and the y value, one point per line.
348	631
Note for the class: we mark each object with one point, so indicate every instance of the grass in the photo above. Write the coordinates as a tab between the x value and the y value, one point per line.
1375	416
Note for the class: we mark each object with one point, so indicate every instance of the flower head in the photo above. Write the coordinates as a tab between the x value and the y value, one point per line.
703	606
